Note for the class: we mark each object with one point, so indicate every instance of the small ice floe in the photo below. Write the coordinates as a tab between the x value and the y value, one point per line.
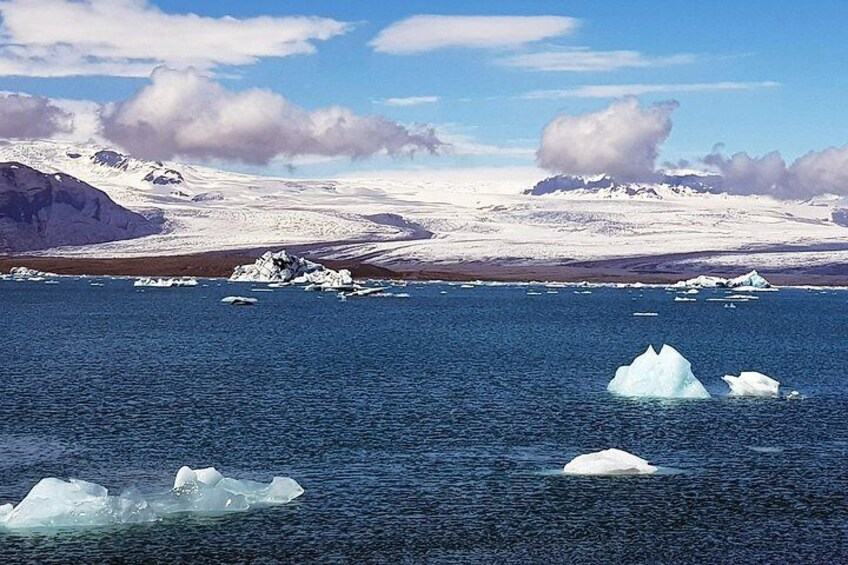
582	292
731	306
533	293
794	395
609	462
27	274
752	383
684	299
56	504
766	449
261	290
690	291
373	291
443	292
645	314
95	284
551	292
742	297
239	301
166	283
666	374
467	286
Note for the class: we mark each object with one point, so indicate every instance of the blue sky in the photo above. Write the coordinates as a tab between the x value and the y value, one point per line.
801	46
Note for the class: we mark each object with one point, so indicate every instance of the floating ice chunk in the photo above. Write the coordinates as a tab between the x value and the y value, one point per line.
794	395
751	383
282	267
166	283
239	301
684	299
609	462
54	503
199	498
664	375
208	475
748	281
280	490
645	314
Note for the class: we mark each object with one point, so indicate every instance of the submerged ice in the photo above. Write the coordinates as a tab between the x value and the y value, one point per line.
751	383
53	503
609	462
666	374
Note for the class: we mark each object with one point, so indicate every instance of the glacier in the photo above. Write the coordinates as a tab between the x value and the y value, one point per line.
666	374
56	504
752	383
609	462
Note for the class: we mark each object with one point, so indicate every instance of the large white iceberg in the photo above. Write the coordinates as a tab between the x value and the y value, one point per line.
609	462
281	267
752	280
53	503
751	383
666	374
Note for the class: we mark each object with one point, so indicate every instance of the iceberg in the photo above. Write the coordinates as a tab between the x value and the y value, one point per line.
748	281
609	462
53	503
751	383
239	301
27	274
666	374
281	267
166	283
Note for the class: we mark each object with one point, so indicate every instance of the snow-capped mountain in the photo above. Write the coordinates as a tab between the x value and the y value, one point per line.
393	221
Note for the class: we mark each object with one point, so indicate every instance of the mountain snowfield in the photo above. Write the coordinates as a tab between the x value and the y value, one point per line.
404	221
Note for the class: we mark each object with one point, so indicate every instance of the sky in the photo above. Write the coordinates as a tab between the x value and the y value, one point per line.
323	88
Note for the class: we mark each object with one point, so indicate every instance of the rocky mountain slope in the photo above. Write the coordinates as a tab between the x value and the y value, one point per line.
40	211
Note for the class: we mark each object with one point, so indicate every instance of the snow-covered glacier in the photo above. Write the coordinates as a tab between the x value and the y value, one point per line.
281	267
609	462
56	504
752	383
666	374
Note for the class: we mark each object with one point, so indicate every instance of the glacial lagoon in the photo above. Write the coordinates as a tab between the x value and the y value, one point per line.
432	427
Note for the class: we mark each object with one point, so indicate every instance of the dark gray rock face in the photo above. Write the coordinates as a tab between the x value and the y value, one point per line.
39	211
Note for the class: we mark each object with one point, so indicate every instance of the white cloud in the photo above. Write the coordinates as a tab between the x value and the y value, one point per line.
622	90
132	37
621	140
817	172
185	114
25	116
422	33
409	101
586	60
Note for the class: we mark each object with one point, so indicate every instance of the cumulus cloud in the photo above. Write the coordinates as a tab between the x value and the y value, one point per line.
817	172
24	116
186	114
622	90
621	140
422	33
131	37
586	60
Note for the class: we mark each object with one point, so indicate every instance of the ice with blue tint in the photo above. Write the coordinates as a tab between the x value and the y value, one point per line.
54	504
666	374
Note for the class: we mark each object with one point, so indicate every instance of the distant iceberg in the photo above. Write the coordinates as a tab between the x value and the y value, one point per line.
27	274
751	383
239	300
609	462
749	281
281	267
666	374
53	503
166	283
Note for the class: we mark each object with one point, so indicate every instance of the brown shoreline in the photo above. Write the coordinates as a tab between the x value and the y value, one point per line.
653	269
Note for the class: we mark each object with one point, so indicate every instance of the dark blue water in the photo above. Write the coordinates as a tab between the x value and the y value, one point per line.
429	428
